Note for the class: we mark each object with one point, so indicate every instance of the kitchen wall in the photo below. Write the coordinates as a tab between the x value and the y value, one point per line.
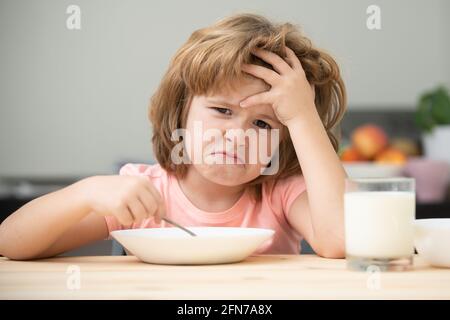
73	102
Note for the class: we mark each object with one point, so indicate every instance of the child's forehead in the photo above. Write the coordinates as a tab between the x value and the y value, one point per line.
236	91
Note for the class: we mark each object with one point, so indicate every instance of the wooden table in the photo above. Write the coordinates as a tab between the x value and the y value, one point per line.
258	277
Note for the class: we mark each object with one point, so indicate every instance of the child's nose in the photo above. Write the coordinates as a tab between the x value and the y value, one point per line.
237	136
238	123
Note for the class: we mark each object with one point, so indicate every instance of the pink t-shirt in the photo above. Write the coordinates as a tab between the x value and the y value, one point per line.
270	212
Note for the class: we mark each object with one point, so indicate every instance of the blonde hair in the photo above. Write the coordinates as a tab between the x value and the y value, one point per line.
211	60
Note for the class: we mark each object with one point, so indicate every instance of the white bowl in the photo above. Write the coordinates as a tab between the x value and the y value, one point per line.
174	246
432	241
367	169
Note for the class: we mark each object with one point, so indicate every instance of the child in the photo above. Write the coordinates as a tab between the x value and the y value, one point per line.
243	73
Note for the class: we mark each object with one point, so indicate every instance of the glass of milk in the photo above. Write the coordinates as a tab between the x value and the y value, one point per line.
379	216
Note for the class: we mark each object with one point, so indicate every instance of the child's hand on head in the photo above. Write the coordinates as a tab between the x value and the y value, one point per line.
291	94
129	198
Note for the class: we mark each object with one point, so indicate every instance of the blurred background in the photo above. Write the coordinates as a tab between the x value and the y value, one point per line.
73	102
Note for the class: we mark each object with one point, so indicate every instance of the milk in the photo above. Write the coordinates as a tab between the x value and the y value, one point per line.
379	224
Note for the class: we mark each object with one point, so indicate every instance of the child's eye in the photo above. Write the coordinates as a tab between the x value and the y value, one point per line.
222	110
261	124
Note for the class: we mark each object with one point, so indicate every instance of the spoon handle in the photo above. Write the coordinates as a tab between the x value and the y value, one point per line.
179	226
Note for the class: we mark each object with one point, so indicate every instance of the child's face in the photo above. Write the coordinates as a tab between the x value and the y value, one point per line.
215	115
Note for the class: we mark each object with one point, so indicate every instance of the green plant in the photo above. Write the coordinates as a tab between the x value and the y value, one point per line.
433	109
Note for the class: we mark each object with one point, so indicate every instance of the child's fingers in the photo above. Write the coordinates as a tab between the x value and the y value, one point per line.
274	59
293	59
162	210
264	97
138	210
150	187
124	216
156	208
148	201
160	213
268	75
159	200
155	201
157	217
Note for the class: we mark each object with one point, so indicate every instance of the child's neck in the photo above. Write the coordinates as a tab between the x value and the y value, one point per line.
207	195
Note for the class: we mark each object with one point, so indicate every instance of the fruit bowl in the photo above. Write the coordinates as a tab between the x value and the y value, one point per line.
368	169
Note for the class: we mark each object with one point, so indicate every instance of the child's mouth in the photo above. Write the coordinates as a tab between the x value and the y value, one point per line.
224	155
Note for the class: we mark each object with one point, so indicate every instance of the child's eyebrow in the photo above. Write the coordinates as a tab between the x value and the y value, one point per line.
223	102
230	105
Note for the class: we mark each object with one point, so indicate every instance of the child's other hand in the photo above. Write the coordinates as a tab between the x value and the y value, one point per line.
291	95
129	198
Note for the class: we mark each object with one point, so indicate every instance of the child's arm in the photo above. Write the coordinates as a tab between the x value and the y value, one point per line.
33	230
73	216
318	214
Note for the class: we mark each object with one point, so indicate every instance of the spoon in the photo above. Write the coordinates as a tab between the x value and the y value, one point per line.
179	226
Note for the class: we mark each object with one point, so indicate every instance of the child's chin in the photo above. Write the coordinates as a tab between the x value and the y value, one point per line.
225	174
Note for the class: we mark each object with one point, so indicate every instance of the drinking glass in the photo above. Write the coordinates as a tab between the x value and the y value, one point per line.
379	223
